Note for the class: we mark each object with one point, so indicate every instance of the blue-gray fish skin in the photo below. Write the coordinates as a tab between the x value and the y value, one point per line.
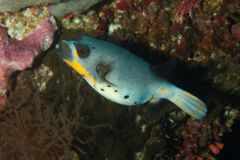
122	77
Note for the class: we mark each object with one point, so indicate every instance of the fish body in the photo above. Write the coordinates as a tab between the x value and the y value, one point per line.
122	77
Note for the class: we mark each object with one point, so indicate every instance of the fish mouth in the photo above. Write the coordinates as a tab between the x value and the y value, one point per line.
63	50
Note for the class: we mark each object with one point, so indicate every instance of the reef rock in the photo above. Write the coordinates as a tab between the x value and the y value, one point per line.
74	6
15	5
57	7
17	55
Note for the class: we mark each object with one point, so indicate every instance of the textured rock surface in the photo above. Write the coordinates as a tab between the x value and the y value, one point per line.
57	7
18	55
75	6
15	5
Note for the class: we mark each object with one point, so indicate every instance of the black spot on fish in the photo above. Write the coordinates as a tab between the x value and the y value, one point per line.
126	97
108	85
102	89
135	102
128	58
103	70
93	47
115	90
82	50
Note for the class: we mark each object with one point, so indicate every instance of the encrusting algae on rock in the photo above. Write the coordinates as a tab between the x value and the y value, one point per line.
16	55
20	24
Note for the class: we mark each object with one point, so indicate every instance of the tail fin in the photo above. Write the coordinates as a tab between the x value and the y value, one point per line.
189	103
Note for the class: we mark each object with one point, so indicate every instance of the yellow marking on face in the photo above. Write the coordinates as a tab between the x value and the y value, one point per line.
75	53
80	69
162	91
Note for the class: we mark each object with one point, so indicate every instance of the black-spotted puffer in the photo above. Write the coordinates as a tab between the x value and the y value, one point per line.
122	77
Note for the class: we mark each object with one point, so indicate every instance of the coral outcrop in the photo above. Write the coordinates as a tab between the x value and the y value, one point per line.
15	5
16	55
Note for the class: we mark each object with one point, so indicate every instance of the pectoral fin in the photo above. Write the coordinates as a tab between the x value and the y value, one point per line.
103	70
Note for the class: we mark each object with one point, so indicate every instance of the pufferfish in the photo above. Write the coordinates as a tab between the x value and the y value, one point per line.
122	77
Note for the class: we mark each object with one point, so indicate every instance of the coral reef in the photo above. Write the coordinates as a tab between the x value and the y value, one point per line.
17	55
192	142
201	139
179	137
52	113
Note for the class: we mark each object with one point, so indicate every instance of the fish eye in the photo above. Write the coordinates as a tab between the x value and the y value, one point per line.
82	50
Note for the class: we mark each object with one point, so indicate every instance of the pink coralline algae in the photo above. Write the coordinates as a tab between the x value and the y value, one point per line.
195	137
186	7
17	55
